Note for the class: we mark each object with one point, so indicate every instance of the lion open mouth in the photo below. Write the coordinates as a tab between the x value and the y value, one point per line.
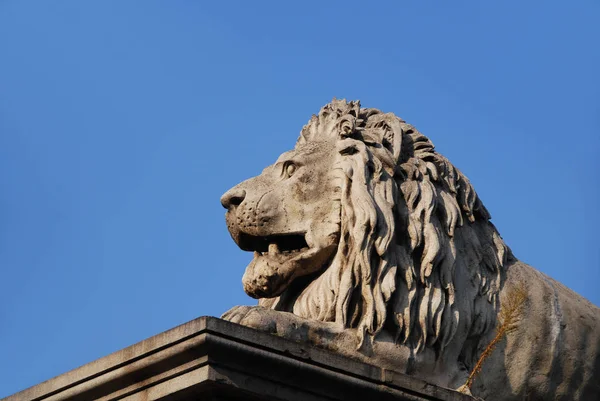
273	245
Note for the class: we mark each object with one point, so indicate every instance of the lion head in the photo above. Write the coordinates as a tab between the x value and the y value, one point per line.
364	224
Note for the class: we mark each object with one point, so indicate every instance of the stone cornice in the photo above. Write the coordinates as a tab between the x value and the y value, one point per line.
208	357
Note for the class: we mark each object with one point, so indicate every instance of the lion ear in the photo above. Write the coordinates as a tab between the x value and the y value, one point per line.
388	129
393	137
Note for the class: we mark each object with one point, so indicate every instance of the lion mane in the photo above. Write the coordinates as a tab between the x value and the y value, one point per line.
406	215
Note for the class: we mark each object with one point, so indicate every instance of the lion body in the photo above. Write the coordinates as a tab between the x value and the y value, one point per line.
554	354
371	244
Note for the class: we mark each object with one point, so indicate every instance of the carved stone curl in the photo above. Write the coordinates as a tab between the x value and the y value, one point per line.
369	243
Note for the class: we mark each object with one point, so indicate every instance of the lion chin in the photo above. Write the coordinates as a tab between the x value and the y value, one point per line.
381	250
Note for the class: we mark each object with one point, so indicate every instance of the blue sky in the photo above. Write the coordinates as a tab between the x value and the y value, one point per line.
122	123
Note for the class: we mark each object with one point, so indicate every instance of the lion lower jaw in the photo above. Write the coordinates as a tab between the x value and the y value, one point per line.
271	273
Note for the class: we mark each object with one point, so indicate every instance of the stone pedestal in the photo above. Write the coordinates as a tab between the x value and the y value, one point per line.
211	359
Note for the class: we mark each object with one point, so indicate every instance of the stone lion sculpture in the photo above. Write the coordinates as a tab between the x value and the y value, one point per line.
369	243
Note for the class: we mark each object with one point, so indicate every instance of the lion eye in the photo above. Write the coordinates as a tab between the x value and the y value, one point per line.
289	169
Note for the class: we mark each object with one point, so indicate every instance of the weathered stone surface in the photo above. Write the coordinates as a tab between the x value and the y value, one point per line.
371	244
211	359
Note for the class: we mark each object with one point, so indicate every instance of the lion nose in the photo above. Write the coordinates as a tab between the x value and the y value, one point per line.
233	197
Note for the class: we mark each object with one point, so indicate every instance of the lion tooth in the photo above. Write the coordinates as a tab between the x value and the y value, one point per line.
273	249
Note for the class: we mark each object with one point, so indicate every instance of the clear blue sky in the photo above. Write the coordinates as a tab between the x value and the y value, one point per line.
122	123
